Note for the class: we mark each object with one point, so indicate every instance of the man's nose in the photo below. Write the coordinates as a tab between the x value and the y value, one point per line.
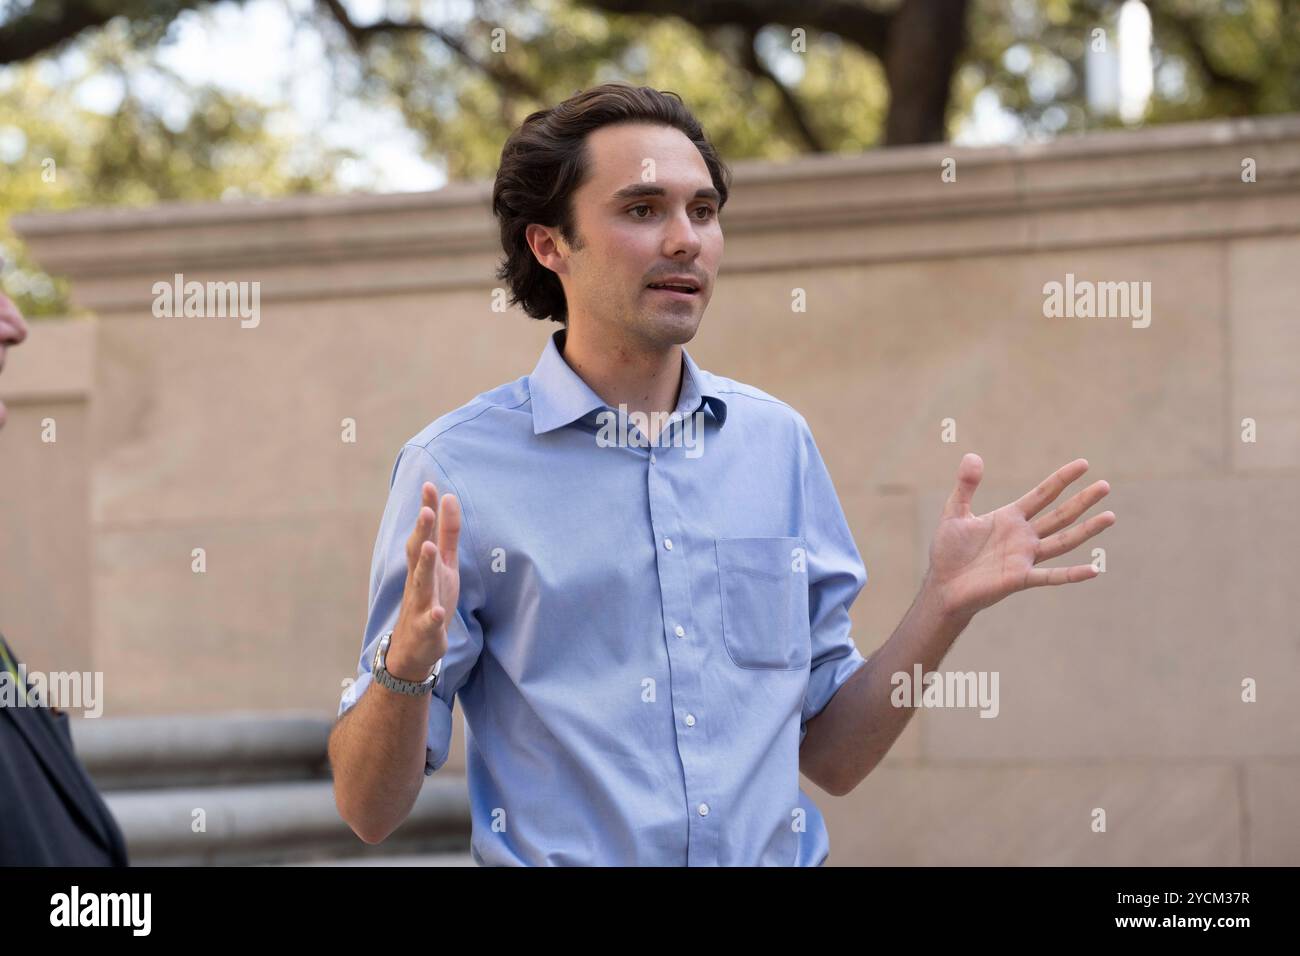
13	328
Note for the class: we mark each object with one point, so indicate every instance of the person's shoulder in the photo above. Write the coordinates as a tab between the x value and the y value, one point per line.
754	404
486	415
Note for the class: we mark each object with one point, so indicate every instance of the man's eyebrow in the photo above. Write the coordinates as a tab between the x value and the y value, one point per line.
641	190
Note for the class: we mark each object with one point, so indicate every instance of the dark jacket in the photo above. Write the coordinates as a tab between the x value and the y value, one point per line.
50	812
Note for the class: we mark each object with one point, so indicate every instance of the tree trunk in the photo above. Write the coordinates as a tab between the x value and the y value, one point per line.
925	39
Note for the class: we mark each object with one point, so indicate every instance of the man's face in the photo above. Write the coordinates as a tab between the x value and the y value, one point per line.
12	331
647	212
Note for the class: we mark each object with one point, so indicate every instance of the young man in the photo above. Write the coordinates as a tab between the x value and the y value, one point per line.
648	633
53	815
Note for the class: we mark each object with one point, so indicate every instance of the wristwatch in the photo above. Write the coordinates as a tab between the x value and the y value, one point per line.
414	688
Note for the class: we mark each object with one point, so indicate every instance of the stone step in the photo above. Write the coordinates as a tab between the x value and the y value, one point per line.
282	822
192	750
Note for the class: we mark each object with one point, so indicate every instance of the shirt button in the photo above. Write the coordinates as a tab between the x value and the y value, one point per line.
652	458
690	720
680	631
668	543
704	809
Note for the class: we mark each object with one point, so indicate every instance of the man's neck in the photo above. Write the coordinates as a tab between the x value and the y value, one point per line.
644	380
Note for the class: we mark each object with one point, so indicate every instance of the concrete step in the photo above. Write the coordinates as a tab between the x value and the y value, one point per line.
189	750
251	788
286	822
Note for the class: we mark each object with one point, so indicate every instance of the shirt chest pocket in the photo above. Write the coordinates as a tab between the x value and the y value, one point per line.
763	587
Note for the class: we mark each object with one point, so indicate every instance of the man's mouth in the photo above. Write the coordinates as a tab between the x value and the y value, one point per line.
674	289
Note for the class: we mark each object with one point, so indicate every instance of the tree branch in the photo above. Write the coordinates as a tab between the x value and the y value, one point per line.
360	36
852	20
50	23
794	109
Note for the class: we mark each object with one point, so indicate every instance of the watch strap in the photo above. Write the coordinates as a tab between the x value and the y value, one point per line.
412	688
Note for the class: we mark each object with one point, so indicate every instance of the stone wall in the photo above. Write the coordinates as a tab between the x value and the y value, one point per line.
925	302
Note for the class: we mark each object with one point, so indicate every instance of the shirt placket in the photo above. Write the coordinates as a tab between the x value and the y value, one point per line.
685	655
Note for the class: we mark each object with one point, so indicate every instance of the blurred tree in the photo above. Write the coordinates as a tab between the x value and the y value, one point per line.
1210	58
1230	56
57	154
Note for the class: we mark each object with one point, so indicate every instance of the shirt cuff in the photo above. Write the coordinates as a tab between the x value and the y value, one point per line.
823	682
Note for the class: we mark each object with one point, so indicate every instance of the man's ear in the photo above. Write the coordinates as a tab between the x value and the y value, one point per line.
549	247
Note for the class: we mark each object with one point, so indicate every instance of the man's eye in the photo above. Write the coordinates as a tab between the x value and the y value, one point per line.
708	210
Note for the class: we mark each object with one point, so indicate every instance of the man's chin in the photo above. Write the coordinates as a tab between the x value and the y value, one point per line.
668	329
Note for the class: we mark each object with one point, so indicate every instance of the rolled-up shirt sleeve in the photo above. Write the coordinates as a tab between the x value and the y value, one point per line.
414	466
836	575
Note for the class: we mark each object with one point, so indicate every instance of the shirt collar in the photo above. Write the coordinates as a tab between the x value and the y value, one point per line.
560	396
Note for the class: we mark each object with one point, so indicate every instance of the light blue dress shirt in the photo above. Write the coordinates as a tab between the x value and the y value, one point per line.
643	631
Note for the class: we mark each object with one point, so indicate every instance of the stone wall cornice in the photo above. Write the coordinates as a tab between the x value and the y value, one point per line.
1176	183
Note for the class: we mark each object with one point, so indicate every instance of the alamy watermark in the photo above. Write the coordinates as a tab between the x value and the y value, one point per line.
211	300
130	910
946	689
66	690
1085	299
615	430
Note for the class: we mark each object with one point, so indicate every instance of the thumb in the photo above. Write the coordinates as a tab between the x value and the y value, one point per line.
969	473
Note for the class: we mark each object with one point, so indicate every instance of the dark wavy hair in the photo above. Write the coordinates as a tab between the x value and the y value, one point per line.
545	160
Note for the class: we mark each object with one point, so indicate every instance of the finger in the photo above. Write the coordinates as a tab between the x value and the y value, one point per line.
414	538
423	530
1038	577
1035	501
1071	538
421	533
1063	515
421	583
449	529
429	499
969	472
448	539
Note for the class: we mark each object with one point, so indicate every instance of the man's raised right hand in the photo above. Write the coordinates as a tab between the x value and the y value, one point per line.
432	588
